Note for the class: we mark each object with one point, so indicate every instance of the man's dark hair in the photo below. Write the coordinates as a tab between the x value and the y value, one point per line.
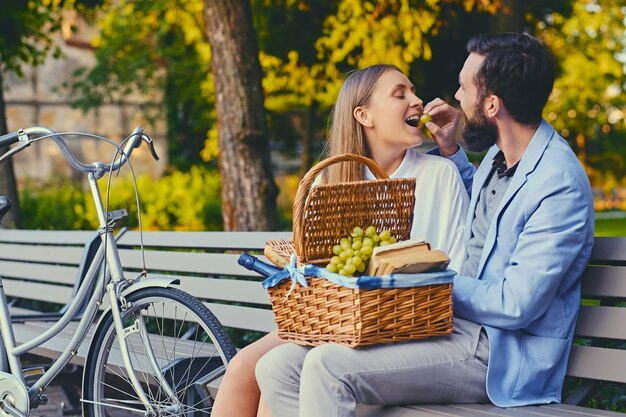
518	69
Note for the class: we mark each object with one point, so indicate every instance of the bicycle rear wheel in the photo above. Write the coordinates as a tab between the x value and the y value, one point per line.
190	348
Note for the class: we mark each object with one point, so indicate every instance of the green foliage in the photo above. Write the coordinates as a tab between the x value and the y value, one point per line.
588	101
146	47
179	201
611	226
26	29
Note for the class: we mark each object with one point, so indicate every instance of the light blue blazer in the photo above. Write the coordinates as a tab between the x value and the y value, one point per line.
527	290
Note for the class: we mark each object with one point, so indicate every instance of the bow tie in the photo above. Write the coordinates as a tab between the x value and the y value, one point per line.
500	165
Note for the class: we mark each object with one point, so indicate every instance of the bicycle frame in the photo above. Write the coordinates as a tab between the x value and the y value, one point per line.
113	283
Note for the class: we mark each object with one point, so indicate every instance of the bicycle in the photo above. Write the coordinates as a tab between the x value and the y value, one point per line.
156	350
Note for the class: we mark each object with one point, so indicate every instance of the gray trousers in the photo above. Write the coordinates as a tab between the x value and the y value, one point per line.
329	380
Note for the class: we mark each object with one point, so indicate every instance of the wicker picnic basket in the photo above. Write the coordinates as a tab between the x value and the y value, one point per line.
328	312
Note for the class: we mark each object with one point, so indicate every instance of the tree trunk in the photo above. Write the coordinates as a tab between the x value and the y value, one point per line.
248	188
8	185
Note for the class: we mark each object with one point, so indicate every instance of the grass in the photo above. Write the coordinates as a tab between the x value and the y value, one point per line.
611	226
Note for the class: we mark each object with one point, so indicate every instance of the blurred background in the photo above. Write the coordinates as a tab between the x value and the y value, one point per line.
219	82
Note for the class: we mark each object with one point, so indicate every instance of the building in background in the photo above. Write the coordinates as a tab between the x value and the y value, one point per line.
33	100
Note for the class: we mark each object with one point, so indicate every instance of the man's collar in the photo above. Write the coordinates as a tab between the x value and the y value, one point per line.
500	165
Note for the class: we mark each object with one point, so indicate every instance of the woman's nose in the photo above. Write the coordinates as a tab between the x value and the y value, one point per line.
417	102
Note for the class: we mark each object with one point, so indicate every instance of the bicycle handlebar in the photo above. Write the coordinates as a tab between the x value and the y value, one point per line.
9	139
97	168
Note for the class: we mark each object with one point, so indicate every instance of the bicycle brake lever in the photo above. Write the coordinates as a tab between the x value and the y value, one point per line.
150	143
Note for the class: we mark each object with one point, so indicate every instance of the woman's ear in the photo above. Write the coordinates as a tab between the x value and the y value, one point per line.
361	116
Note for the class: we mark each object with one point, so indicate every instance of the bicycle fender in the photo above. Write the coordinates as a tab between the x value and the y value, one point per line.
161	282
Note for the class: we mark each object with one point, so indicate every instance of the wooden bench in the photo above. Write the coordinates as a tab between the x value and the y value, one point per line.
45	265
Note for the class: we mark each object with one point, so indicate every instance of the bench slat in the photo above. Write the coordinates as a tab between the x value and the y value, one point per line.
38	272
243	317
38	291
604	322
51	254
608	249
186	262
597	363
66	237
604	282
205	240
574	411
225	289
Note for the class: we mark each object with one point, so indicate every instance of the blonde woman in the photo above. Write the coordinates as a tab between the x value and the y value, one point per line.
377	114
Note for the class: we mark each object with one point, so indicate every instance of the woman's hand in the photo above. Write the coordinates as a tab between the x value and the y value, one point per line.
443	126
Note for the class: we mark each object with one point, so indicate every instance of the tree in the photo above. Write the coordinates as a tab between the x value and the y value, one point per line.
248	188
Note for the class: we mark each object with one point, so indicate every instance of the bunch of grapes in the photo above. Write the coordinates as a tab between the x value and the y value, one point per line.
353	252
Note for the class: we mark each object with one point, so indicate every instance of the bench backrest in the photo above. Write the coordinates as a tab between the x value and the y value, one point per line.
45	265
600	336
42	265
206	263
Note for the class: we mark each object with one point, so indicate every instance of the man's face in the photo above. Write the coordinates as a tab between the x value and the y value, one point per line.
479	133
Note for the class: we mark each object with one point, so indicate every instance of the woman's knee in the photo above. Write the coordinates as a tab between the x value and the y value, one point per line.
242	365
283	363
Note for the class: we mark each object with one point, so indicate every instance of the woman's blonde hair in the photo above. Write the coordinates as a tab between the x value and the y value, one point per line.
346	133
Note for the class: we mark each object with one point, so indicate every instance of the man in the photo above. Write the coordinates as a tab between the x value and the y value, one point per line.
529	236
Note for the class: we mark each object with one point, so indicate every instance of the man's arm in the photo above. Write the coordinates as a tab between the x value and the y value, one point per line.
443	128
551	240
465	167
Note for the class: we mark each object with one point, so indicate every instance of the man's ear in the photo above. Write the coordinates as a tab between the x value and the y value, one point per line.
361	116
492	105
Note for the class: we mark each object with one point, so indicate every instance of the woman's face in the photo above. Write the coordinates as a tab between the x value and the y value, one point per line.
393	113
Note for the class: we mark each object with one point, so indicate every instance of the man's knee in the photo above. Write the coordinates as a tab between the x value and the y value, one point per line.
325	361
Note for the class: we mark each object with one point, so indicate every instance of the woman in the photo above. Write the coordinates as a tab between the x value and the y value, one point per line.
377	114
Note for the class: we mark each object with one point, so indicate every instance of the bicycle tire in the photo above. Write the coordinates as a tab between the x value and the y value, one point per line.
166	313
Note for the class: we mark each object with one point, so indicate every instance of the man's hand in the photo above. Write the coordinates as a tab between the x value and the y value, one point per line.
443	126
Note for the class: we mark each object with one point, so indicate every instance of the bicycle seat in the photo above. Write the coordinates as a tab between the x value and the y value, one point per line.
5	205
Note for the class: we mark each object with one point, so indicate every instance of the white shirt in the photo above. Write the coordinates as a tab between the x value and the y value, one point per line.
441	203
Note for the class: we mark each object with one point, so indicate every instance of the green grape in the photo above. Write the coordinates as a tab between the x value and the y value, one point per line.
345	243
384	235
335	260
349	269
332	267
425	118
356	260
383	243
357	231
361	267
392	240
357	244
343	256
366	250
337	249
370	231
343	271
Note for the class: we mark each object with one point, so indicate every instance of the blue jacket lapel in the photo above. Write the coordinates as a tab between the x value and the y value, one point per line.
527	164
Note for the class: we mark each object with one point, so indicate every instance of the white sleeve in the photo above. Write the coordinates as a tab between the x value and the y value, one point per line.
456	216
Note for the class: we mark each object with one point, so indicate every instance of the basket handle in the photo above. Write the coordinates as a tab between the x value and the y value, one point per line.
305	185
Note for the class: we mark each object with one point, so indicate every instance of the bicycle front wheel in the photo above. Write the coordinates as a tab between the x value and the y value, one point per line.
178	351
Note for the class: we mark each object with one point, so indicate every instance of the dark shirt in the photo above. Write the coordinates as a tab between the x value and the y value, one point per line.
489	199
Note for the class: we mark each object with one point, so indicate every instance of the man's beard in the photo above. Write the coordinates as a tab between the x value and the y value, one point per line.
479	133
